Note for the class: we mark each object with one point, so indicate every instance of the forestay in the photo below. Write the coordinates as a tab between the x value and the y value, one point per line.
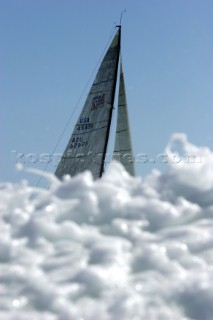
87	146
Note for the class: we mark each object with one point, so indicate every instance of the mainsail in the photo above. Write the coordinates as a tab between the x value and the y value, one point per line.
123	145
88	143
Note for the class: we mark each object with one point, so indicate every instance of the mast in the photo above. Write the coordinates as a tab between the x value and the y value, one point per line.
112	103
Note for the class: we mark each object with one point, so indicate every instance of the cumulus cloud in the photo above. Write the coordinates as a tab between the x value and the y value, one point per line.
116	248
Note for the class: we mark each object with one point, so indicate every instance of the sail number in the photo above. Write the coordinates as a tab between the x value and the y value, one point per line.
78	142
85	126
84	120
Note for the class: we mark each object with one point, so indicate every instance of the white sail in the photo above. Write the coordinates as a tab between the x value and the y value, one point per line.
87	146
123	146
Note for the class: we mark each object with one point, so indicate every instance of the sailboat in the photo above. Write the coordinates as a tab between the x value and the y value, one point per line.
87	146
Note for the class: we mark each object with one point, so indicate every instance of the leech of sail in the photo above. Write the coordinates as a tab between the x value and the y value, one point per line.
112	98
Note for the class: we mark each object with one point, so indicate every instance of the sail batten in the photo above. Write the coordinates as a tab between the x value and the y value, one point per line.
123	151
87	146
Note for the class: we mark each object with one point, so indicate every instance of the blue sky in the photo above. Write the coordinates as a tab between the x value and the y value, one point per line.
49	49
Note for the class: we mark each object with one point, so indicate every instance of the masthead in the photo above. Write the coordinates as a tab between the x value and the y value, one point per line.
119	26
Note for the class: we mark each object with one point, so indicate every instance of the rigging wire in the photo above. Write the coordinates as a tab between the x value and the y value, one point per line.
77	103
122	15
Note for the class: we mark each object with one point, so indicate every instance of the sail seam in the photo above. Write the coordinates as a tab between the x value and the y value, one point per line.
119	131
99	91
95	84
122	150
